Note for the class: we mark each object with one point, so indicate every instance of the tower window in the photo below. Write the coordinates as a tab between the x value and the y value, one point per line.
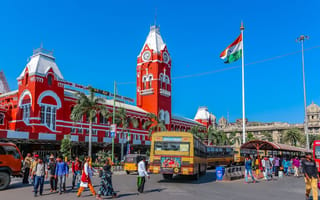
26	112
49	80
27	78
1	118
144	81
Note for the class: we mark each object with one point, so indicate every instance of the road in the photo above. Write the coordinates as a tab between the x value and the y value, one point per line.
180	188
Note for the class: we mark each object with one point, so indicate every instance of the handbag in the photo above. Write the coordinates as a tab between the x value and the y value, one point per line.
319	185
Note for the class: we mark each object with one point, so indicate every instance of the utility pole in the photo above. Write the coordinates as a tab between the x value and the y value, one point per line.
301	39
114	117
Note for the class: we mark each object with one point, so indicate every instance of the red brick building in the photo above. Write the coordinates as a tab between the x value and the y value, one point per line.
37	115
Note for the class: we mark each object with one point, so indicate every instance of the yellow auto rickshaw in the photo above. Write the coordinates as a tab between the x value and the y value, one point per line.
131	162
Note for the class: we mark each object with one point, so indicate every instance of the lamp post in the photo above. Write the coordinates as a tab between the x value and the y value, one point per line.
301	39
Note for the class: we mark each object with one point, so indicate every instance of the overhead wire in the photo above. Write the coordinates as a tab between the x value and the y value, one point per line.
233	67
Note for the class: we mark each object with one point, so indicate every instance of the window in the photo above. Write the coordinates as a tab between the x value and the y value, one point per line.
73	130
12	151
144	82
2	151
26	112
1	118
171	146
49	80
94	132
102	119
150	81
107	134
80	131
48	116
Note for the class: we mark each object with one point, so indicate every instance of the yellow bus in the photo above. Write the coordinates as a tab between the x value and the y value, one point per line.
226	155
177	153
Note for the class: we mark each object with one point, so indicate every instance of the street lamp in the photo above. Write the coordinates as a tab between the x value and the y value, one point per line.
301	39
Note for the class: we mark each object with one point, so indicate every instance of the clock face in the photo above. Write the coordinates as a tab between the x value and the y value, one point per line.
146	56
165	57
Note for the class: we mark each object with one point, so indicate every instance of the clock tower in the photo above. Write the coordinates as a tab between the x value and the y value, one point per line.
154	77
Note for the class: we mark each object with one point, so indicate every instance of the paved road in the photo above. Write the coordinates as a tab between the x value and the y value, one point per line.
180	188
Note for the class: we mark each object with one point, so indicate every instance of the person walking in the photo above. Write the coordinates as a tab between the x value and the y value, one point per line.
248	169
142	173
266	168
40	173
296	165
26	166
61	173
32	167
86	178
311	176
285	164
52	173
106	188
271	162
276	165
76	172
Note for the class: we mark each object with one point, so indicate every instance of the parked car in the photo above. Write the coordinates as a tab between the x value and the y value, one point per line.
11	162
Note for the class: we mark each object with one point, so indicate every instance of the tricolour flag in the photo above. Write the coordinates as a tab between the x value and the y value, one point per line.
233	52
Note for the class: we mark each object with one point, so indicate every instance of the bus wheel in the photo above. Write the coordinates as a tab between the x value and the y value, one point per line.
128	172
167	176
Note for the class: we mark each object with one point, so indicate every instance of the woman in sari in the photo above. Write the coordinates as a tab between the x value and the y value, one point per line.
86	178
106	188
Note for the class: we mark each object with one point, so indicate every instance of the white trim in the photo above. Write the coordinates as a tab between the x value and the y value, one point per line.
52	94
23	94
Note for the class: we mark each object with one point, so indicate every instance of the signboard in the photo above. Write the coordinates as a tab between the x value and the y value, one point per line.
172	139
113	130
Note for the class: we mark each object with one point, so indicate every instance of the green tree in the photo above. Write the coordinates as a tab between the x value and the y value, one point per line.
250	137
233	139
153	124
66	147
88	105
210	134
312	138
293	136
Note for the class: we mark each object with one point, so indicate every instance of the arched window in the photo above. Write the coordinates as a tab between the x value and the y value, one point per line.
49	79
161	79
150	78
144	82
161	115
166	117
1	118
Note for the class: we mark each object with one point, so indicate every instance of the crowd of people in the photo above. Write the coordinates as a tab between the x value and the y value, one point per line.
56	171
270	167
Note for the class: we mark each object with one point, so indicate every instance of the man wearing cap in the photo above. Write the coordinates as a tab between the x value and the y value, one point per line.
32	167
52	173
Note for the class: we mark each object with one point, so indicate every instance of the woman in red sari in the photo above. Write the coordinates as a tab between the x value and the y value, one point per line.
86	178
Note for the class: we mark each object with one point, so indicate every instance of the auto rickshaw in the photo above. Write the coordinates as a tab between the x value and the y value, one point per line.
131	162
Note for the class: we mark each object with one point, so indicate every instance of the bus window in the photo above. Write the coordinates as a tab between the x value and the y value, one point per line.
171	146
317	152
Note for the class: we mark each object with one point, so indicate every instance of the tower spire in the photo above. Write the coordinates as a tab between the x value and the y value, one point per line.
155	18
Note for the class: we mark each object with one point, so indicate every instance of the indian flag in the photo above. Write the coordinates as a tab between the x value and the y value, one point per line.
233	52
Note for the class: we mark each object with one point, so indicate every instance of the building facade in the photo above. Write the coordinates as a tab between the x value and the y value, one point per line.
38	112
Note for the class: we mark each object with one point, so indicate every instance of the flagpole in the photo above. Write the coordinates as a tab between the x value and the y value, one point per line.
243	99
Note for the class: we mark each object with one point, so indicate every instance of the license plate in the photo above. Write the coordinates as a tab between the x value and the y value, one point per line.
167	170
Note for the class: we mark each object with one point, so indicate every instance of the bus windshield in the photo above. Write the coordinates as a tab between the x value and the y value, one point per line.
171	146
317	152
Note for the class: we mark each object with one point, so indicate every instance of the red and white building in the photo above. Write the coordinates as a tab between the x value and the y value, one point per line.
38	113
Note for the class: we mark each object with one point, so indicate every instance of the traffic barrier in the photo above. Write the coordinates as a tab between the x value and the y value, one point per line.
233	173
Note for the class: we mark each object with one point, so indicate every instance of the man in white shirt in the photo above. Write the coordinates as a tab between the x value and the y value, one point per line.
142	174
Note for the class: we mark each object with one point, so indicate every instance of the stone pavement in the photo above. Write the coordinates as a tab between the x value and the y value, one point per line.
180	188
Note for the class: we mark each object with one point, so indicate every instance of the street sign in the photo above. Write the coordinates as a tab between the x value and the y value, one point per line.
113	130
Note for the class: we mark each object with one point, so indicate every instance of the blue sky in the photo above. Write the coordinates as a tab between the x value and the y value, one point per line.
97	42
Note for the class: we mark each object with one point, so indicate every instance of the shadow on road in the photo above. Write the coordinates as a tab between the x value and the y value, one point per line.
209	177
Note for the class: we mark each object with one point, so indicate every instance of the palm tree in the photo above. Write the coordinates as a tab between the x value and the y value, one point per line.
210	134
123	120
153	124
312	138
250	137
292	136
88	105
233	138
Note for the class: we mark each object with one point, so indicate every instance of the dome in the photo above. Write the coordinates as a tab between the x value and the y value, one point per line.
202	113
313	108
